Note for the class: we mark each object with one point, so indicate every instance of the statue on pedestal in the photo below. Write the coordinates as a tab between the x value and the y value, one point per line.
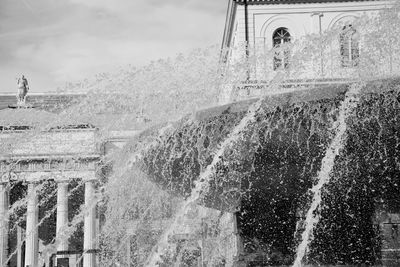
23	88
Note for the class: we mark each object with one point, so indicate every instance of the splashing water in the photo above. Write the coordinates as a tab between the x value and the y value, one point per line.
339	132
65	235
204	179
167	90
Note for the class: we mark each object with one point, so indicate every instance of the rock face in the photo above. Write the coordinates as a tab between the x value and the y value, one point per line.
265	176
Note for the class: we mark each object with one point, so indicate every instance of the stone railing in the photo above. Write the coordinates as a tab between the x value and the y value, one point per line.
255	89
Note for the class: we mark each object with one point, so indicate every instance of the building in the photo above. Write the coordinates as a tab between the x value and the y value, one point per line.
49	174
264	30
256	183
64	158
265	23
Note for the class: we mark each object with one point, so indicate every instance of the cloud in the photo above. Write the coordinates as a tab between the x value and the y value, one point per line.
69	40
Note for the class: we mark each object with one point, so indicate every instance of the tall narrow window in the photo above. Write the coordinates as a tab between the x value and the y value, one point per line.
349	46
280	37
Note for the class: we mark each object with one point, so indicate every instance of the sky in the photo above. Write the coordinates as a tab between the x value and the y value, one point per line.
56	41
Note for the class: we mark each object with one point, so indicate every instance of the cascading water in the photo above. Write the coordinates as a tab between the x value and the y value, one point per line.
339	132
245	169
204	178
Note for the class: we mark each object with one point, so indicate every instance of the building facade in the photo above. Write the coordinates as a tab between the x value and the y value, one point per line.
258	22
50	177
264	30
66	157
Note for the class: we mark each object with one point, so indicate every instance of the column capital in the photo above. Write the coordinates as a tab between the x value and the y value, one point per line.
5	186
8	177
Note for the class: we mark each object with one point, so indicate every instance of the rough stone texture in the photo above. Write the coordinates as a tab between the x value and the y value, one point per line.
266	174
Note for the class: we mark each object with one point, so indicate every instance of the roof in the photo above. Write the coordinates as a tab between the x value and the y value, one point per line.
52	102
29	118
274	2
24	117
53	110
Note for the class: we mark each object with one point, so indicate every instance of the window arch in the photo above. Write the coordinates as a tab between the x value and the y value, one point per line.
280	37
349	46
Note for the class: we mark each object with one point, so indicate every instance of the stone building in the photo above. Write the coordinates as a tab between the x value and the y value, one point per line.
65	154
62	158
264	30
262	23
261	182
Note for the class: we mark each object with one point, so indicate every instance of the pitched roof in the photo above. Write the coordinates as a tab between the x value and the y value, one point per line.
274	2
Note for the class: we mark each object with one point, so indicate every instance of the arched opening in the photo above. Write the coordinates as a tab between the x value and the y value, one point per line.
349	46
280	38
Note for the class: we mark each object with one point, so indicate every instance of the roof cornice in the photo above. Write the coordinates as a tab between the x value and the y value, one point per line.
276	2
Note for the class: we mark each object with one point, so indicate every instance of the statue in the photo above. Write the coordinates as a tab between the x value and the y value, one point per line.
23	87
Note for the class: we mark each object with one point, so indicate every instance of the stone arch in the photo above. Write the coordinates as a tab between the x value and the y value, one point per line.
343	18
348	56
276	22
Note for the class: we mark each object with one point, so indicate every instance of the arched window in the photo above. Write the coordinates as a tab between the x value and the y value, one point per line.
279	38
349	46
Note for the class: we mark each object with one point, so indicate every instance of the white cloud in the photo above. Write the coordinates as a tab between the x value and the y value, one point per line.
79	38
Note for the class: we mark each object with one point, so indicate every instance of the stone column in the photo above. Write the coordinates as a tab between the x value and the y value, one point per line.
316	21
32	240
62	217
89	242
3	223
62	214
20	240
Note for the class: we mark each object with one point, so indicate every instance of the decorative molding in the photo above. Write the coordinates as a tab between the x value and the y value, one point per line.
275	22
273	19
47	165
8	176
342	17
